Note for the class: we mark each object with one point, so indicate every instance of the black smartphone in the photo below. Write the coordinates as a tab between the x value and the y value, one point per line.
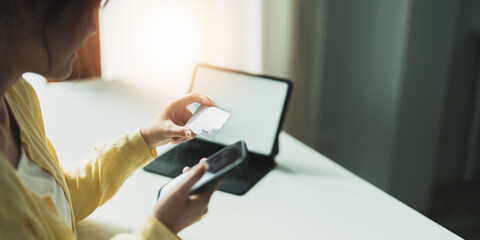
220	165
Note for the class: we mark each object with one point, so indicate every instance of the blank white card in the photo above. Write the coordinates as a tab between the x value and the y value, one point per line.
207	121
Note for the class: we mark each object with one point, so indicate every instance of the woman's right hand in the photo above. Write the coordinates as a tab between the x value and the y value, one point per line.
179	209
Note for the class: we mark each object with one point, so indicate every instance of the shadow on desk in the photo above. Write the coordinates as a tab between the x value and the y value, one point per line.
96	230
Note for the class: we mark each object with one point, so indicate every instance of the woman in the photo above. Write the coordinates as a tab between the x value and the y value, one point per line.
39	199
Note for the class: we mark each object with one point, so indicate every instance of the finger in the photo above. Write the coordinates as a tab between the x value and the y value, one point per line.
193	98
185	169
178	131
186	115
194	197
207	194
205	212
181	140
200	219
196	173
204	197
176	140
202	160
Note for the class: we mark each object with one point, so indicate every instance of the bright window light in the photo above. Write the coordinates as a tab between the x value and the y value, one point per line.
153	44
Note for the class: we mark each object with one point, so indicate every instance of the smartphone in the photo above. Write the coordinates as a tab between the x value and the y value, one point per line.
220	165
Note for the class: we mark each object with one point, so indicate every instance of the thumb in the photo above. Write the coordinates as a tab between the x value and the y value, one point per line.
178	131
195	174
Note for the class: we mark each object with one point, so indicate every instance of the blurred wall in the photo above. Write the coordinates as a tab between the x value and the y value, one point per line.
455	163
370	81
366	43
429	49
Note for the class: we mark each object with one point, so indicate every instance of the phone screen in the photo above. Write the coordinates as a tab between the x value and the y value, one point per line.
219	162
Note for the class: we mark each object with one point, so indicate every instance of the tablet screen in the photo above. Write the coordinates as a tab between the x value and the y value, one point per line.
255	102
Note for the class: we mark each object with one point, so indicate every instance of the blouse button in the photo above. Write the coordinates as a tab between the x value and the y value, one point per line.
50	202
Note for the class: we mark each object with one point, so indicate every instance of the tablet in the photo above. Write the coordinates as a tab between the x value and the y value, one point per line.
220	165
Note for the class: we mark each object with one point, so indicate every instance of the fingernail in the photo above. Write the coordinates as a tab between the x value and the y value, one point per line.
212	103
188	133
206	166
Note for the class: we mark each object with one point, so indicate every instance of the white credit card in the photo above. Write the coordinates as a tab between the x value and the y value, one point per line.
207	121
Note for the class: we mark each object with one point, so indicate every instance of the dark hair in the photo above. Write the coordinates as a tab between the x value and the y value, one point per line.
46	12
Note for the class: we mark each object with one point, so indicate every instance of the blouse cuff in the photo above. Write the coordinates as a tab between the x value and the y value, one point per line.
137	140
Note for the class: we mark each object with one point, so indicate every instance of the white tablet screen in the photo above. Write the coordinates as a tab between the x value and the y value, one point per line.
256	105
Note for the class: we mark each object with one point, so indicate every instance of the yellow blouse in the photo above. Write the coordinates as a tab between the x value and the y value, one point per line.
89	184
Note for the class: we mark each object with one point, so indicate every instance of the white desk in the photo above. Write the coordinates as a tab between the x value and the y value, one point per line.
307	196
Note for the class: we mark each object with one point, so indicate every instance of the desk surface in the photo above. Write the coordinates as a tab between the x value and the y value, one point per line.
307	196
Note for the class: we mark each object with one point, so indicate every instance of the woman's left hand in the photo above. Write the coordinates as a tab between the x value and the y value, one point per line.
169	125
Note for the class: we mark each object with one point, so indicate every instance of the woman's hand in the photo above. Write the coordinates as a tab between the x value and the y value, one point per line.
169	124
179	209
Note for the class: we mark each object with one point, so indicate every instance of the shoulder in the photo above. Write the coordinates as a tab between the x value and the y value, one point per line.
23	90
24	99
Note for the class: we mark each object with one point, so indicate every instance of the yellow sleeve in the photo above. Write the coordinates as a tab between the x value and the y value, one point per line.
96	180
